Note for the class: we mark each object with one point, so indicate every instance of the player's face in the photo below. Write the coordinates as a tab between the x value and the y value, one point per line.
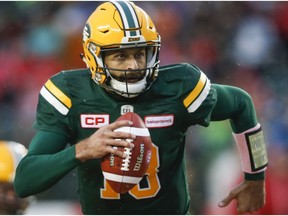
9	202
129	64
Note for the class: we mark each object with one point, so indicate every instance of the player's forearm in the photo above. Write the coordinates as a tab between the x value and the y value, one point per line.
237	106
39	171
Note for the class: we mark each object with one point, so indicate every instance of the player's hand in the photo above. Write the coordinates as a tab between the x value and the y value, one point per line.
102	141
250	196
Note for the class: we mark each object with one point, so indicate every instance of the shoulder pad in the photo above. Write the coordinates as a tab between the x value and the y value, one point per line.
54	93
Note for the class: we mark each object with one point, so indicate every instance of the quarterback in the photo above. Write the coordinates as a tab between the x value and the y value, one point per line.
77	110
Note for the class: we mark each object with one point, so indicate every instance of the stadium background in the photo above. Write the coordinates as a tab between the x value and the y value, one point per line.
236	43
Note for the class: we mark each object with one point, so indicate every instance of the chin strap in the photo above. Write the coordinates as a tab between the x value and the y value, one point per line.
252	148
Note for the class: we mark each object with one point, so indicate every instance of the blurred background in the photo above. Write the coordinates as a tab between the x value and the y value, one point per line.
235	43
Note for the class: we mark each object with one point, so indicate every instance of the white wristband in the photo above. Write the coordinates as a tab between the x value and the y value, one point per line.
252	149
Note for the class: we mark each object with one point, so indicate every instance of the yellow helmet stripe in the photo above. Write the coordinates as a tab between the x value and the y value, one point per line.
198	94
56	97
129	17
7	166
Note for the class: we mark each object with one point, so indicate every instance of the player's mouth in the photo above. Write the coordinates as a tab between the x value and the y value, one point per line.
133	79
130	78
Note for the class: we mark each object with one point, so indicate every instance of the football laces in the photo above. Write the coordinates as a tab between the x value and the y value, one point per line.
126	161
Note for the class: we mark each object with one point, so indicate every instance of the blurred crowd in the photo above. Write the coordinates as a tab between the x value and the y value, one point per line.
235	43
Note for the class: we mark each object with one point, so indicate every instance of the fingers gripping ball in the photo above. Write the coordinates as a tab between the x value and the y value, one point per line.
123	174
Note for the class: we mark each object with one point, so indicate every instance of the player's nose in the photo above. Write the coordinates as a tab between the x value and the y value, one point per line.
132	63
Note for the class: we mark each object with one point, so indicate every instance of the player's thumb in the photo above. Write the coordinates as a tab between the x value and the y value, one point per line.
225	201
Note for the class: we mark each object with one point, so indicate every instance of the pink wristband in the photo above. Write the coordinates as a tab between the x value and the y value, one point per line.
252	149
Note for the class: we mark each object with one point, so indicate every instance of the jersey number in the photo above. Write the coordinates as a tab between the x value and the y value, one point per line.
139	193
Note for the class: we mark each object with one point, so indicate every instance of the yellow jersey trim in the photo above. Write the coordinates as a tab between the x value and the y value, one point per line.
196	91
58	94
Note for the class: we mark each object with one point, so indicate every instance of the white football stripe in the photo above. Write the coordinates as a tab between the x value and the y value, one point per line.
120	178
54	101
134	130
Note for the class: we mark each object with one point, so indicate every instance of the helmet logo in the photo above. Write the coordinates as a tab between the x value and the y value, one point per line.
133	39
86	32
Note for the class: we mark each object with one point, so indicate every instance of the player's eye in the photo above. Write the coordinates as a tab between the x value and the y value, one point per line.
120	56
140	55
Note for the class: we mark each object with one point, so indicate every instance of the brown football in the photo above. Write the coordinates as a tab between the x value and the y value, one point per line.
123	174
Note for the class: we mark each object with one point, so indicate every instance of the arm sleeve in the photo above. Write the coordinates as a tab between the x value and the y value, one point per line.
236	105
47	161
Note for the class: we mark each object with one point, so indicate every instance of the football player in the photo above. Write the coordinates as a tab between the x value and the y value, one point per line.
10	155
79	107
